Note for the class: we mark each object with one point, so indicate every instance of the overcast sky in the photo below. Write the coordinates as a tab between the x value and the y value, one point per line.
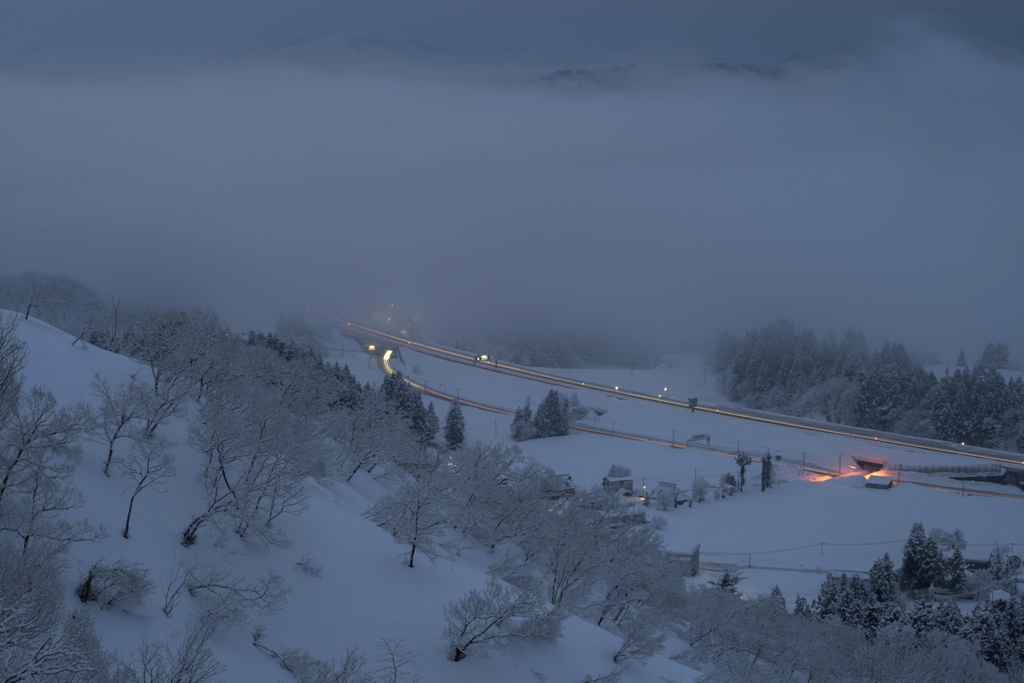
254	156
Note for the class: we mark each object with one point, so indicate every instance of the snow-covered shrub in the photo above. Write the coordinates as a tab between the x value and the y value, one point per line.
495	617
310	566
700	489
727	483
117	584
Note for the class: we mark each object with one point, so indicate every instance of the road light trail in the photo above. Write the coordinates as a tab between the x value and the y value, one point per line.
493	365
384	362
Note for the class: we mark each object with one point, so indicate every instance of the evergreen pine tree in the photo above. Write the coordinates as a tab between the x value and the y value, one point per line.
801	608
996	628
947	617
522	423
454	426
933	563
348	391
767	474
922	562
961	360
742	459
1002	569
777	598
920	617
892	385
883	581
552	417
431	424
729	581
994	356
954	576
827	604
406	401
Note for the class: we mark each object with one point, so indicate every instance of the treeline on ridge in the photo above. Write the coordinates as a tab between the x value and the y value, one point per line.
841	381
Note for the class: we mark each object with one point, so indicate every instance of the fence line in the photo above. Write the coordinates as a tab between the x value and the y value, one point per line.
824	544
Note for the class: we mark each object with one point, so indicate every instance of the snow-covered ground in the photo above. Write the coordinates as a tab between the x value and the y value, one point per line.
802	529
365	592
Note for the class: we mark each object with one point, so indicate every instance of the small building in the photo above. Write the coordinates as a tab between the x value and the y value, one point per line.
878	481
869	464
974	564
560	486
620	485
669	495
688	563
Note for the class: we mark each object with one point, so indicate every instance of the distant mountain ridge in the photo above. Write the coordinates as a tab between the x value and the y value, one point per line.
619	76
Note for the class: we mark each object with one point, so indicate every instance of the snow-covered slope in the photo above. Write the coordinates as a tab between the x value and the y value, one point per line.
364	591
787	536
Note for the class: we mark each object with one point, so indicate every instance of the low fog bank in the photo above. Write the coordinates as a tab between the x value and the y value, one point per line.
72	35
883	196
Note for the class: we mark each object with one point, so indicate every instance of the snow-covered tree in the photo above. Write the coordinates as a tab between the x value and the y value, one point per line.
994	356
892	384
700	490
922	562
884	581
433	423
552	418
120	408
41	641
187	657
12	362
578	541
256	457
767	471
414	516
39	448
996	628
486	492
522	423
742	460
619	471
638	576
362	438
514	499
954	575
641	637
39	430
116	584
147	465
925	617
407	402
454	426
728	581
801	608
495	617
347	392
1002	569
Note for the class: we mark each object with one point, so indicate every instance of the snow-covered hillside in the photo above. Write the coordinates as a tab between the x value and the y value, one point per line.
348	583
363	593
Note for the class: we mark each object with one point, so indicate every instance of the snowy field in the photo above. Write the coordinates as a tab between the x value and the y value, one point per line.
790	534
801	529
